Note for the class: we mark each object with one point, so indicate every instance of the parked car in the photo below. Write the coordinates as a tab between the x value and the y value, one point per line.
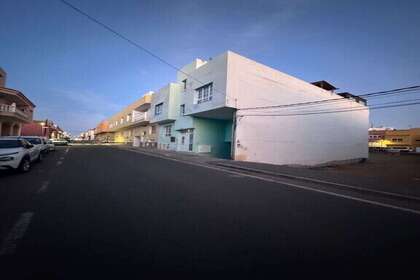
50	145
38	142
60	142
17	153
399	150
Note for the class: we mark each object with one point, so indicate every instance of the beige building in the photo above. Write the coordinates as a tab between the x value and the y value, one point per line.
403	138
131	125
103	133
15	109
394	138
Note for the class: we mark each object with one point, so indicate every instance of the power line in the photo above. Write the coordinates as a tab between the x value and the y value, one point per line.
350	108
340	99
149	52
390	91
334	111
133	43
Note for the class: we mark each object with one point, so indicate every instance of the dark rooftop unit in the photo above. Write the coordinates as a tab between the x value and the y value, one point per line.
356	98
324	85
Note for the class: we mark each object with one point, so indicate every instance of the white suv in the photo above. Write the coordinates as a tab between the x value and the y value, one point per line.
17	153
39	143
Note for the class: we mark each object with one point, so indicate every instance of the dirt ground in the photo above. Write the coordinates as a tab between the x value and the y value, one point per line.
390	172
392	166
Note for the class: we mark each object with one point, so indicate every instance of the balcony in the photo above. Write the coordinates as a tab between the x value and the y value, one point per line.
136	118
12	112
139	117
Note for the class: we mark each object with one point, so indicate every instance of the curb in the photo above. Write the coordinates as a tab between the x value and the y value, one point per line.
312	180
294	177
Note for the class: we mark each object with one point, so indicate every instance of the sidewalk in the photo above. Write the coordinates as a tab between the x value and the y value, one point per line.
398	174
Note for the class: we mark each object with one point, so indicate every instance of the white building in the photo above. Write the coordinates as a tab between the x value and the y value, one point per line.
212	103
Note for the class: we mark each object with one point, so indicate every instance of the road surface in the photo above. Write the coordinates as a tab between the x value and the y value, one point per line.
97	212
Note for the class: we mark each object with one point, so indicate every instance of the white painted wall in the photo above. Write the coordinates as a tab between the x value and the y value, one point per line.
170	97
214	71
302	140
299	139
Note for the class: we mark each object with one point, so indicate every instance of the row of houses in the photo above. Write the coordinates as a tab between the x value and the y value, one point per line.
16	115
390	138
233	107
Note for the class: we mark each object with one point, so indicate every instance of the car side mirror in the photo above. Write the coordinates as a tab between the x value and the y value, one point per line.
28	146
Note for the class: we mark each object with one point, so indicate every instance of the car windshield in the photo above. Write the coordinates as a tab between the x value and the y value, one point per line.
12	143
35	141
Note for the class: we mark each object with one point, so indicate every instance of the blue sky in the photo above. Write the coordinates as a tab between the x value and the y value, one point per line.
78	73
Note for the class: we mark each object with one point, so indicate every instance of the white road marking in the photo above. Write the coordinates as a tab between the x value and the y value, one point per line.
59	162
16	233
313	180
236	176
61	158
67	150
43	187
372	202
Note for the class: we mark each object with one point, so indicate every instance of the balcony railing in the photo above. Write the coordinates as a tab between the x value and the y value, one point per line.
5	108
139	117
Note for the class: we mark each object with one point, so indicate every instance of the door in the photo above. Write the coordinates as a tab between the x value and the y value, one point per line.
185	140
191	141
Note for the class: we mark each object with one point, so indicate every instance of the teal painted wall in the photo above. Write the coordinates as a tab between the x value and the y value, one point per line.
228	131
163	140
211	132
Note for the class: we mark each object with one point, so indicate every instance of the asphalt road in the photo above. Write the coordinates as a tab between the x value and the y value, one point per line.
98	212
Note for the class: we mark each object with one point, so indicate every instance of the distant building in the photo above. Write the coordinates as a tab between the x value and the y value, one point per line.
43	128
15	109
103	134
132	124
394	138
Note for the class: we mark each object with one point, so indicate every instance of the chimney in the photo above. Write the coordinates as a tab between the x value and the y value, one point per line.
2	78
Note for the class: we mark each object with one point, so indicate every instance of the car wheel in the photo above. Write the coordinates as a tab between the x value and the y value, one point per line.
40	157
25	165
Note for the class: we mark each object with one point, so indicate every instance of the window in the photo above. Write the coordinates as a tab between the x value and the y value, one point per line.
205	93
153	130
34	141
182	109
158	109
10	144
128	117
185	84
173	139
121	120
168	130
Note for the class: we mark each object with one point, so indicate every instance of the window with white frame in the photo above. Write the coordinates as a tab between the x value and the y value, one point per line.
204	93
158	109
182	109
168	130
